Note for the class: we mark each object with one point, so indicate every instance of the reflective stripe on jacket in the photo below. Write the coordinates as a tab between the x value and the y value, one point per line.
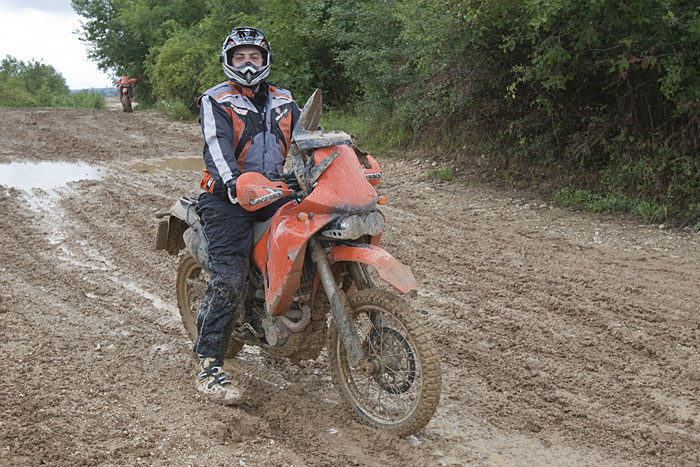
238	137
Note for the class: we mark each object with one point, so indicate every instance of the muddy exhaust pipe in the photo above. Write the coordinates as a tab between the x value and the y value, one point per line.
296	326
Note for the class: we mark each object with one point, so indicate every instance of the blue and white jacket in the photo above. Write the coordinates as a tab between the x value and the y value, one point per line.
241	137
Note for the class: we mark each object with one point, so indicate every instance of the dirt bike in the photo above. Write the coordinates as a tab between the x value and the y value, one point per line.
381	357
126	96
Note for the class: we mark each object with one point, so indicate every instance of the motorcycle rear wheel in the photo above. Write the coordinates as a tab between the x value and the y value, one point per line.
402	395
192	281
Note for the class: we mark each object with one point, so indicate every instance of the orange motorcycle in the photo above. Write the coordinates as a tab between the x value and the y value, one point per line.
126	92
311	258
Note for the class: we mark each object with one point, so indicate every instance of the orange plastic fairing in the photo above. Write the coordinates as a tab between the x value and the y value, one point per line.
255	191
281	254
340	188
374	173
388	267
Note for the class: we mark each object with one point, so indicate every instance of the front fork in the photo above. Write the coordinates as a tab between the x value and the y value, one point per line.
362	280
339	306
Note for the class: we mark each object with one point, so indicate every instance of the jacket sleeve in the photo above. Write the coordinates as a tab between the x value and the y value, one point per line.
218	140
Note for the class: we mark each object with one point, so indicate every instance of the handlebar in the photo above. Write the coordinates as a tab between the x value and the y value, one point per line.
288	178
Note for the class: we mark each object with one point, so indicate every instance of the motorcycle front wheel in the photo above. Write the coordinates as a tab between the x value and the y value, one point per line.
192	282
126	102
402	393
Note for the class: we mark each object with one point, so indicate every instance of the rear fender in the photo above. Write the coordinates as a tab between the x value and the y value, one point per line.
180	217
389	268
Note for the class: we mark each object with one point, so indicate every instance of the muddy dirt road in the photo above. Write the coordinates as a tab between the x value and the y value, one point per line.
565	338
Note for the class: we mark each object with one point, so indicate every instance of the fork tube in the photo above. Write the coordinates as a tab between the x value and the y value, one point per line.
364	281
360	276
339	304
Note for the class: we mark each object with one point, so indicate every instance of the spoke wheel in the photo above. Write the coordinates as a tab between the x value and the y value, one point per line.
403	391
192	282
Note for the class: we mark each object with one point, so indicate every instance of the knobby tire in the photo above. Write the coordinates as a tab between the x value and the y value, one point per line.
423	372
189	299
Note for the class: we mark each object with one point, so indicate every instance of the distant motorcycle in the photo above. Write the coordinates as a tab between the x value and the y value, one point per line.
126	92
382	359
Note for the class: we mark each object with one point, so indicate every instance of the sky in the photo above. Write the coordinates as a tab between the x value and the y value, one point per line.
45	31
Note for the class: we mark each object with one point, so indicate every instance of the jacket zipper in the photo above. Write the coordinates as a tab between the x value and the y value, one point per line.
264	136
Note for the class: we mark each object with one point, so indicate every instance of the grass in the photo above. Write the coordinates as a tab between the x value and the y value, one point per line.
374	137
643	209
86	100
175	110
445	174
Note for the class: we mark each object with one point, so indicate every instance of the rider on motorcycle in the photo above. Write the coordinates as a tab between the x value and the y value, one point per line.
247	125
124	82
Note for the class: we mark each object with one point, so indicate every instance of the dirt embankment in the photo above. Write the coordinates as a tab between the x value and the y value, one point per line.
565	338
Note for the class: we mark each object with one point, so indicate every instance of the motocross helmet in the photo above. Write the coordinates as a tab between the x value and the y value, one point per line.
248	74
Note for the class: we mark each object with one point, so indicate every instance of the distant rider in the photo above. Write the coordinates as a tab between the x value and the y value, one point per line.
124	82
247	125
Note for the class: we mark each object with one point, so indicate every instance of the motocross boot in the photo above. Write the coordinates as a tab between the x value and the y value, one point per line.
214	383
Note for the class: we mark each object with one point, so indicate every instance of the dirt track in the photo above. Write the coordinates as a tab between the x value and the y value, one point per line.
565	338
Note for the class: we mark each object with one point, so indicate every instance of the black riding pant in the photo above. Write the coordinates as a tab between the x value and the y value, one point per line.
229	232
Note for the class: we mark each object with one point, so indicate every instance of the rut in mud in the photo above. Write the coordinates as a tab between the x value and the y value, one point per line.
564	338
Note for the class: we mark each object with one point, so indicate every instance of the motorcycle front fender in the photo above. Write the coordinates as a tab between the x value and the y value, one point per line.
389	268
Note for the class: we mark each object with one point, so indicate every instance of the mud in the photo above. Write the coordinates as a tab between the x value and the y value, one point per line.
565	338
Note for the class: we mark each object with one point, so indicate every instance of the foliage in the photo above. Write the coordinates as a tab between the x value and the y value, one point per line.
598	87
14	94
603	90
444	174
87	99
173	47
34	84
176	109
646	210
171	68
374	137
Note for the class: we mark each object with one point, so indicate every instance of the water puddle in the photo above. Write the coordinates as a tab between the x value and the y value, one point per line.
48	176
192	163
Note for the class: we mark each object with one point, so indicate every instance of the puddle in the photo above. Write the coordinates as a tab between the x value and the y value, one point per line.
40	182
192	163
48	176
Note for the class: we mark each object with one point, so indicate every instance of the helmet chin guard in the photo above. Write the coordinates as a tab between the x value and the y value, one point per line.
248	74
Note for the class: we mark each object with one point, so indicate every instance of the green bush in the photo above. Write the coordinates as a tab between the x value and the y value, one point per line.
31	84
34	84
177	109
374	137
646	210
172	68
444	174
604	92
87	100
14	94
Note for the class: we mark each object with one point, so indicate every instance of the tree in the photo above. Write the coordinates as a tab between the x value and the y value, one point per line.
31	84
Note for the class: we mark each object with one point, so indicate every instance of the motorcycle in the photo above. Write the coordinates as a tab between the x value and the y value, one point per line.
322	242
126	96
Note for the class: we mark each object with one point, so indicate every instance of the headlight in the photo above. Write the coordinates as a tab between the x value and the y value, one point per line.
374	223
355	226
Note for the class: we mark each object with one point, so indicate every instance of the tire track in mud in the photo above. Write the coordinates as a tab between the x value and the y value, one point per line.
256	373
73	247
587	293
565	338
